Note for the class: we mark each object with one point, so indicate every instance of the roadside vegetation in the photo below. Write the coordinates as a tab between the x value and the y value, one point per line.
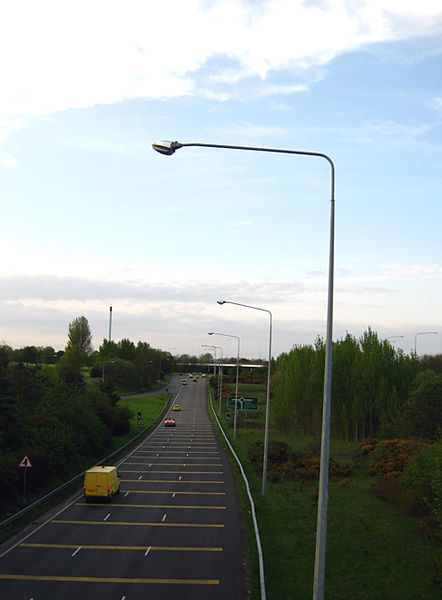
385	489
68	414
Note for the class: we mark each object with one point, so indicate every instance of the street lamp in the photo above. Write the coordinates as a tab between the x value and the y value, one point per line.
422	333
237	376
220	374
166	147
214	355
266	430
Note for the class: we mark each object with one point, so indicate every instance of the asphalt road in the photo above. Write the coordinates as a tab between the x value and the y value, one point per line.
174	531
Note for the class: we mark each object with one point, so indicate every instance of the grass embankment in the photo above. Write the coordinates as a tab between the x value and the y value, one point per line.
373	550
149	407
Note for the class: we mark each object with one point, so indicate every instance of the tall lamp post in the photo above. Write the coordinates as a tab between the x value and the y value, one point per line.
214	355
266	429
422	333
237	376
220	374
168	148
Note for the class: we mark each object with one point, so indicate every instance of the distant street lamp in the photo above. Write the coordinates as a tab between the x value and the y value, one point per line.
422	333
266	430
168	148
214	355
220	374
237	376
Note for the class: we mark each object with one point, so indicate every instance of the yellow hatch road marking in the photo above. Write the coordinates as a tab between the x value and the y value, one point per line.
181	447
182	457
177	464
150	505
180	472
158	548
167	481
106	579
137	524
171	492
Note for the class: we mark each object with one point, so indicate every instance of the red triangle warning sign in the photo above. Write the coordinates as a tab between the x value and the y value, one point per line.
26	463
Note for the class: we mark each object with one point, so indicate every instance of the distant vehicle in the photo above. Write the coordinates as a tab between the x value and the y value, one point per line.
176	407
101	482
169	423
203	375
184	382
195	379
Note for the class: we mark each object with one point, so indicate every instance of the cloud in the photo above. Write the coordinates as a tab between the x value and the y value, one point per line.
8	161
75	55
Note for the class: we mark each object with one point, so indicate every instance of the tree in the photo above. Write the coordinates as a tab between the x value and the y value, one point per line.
423	410
69	366
80	335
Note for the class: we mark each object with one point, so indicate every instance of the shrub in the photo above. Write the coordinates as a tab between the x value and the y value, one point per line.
391	457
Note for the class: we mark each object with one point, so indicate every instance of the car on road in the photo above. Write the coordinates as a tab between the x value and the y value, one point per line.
176	407
169	423
184	382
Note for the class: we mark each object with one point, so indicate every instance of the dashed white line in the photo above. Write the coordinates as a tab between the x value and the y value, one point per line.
106	518
164	517
76	551
147	551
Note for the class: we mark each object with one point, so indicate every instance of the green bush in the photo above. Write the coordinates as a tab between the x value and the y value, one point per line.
424	475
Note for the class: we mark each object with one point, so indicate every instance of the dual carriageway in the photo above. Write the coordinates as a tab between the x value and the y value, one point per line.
174	531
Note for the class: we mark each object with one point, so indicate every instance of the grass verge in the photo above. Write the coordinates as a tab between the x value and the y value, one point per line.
373	550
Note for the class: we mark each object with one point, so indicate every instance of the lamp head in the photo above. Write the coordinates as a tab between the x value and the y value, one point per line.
165	147
221	301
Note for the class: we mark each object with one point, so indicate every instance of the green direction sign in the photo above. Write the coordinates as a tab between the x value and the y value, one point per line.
242	403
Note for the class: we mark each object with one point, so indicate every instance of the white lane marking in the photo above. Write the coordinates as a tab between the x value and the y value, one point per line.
106	518
140	477
147	551
77	550
164	518
126	494
157	454
179	478
173	495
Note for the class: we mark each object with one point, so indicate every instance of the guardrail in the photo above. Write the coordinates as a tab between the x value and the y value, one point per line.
252	505
79	477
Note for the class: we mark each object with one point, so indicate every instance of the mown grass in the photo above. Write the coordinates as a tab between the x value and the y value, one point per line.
149	407
373	550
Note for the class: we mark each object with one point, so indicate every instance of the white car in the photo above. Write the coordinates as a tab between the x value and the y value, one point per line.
184	382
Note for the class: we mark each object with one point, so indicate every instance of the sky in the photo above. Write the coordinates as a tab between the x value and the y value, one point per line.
93	217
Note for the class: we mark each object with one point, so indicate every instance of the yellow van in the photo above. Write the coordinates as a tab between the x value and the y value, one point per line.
101	482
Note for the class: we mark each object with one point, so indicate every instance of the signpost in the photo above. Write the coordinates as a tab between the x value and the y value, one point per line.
25	464
242	403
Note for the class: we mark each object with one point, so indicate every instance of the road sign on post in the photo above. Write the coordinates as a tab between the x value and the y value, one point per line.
242	403
25	464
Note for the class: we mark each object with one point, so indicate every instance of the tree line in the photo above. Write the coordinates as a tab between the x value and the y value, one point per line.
377	391
61	408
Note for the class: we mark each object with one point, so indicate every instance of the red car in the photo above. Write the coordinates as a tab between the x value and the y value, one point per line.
169	423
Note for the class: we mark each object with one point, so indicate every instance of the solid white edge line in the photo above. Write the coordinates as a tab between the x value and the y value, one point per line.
252	506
